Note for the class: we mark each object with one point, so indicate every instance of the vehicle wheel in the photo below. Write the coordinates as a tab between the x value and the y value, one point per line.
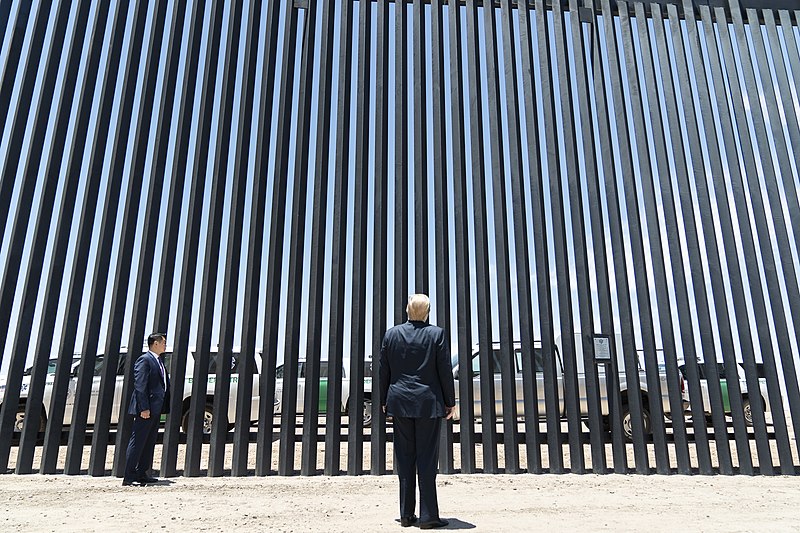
367	419
627	425
748	412
208	420
19	420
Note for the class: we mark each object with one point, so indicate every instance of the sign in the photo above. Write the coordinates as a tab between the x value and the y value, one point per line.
602	348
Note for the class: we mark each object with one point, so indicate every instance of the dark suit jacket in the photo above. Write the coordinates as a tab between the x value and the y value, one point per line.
148	387
416	378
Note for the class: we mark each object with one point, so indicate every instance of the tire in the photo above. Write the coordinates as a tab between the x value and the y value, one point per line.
748	412
367	412
627	425
208	420
19	420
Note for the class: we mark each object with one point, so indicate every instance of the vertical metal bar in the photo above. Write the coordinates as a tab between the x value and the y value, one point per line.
83	393
653	399
792	51
108	378
180	349
400	164
553	415
266	385
248	365
36	252
613	418
688	335
779	224
355	437
488	414
74	164
748	244
233	256
507	363
308	465
704	195
141	296
571	405
200	392
698	279
653	382
586	346
441	215
656	246
421	262
792	199
463	286
275	257
333	422
380	232
16	246
632	402
18	115
597	229
7	78
297	245
5	14
794	301
782	86
34	408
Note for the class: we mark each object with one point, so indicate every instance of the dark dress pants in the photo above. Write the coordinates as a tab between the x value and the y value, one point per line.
416	446
139	457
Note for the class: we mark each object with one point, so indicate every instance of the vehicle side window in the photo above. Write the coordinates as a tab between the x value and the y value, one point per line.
476	362
279	372
98	366
323	369
214	359
538	360
301	370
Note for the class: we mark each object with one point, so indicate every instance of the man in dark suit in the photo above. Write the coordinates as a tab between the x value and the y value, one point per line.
150	399
417	390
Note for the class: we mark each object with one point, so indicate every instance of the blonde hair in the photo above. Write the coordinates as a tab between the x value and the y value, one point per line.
419	307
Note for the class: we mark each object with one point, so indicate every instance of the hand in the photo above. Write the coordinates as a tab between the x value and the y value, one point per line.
449	412
384	409
145	414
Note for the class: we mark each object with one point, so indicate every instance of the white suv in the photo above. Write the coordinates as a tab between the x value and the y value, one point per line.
323	388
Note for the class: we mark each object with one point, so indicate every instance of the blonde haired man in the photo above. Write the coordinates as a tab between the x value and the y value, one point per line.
417	390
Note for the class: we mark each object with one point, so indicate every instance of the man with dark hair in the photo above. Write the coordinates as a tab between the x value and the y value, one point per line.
150	399
417	390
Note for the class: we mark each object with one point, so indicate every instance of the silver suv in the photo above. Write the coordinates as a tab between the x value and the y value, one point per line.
95	391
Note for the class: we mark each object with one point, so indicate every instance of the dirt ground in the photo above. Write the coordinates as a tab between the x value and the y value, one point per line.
369	503
479	502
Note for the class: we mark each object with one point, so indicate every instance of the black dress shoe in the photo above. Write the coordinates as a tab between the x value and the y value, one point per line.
147	479
407	521
434	524
131	483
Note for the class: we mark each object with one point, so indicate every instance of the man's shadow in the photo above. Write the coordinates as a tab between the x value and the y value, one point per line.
453	523
160	483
